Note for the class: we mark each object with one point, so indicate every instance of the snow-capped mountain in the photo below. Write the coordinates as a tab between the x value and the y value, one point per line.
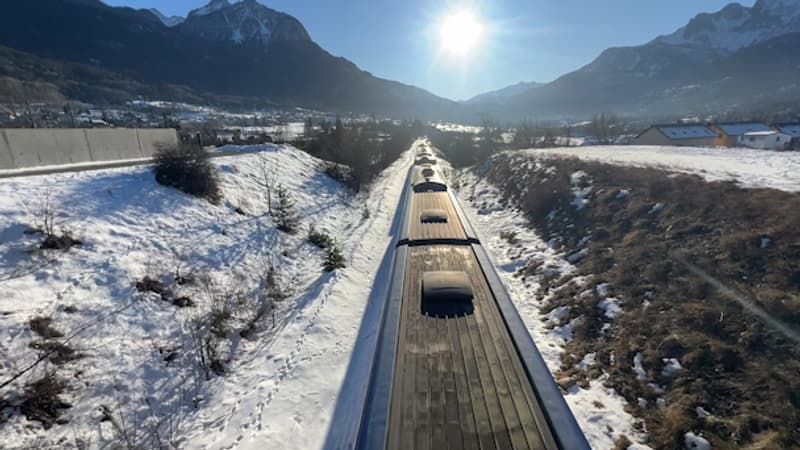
245	21
168	21
211	7
738	57
736	26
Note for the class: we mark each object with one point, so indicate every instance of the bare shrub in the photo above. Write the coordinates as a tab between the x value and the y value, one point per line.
50	221
42	402
148	284
339	172
319	238
58	352
43	326
211	330
267	177
273	292
189	169
156	431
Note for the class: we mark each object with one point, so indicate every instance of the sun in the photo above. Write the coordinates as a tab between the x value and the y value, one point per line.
460	33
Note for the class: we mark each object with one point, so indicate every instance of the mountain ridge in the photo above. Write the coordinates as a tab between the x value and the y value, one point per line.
278	70
650	79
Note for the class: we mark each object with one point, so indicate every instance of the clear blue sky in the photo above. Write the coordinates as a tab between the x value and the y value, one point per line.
526	40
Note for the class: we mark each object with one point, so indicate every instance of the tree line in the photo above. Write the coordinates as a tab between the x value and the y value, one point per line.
358	151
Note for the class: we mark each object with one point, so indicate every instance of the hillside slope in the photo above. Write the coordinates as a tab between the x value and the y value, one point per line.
163	283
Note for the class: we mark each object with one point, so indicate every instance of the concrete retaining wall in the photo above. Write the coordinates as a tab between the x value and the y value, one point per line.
27	148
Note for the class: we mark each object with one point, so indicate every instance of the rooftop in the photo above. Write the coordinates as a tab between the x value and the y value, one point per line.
686	131
740	128
792	129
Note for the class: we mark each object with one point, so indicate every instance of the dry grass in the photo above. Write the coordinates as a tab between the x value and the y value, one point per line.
42	401
735	365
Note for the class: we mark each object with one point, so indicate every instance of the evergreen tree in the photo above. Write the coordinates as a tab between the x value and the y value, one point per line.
283	211
334	259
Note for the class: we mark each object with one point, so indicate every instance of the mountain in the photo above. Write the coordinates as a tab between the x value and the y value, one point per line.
242	50
168	21
246	21
706	66
502	95
736	27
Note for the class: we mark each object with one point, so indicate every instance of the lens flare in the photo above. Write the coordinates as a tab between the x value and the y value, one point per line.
460	33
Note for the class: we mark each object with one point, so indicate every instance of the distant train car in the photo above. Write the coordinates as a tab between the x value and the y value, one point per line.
426	179
425	160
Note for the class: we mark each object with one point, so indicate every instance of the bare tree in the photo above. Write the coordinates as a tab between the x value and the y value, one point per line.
267	178
603	126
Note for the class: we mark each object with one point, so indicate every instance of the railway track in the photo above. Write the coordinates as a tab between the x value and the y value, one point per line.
455	367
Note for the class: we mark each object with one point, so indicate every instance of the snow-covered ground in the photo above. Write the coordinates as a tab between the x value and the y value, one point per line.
750	168
281	387
513	244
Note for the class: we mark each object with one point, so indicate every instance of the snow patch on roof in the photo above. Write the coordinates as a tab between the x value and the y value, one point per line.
739	129
687	131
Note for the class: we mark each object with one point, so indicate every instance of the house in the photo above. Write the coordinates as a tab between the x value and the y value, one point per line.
765	140
793	130
728	133
689	135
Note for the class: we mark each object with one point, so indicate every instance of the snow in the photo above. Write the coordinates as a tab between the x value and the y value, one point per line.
577	256
736	27
686	131
291	377
212	7
656	208
579	190
702	413
587	361
739	129
762	133
458	128
695	442
602	416
671	367
748	167
611	307
599	410
638	368
168	21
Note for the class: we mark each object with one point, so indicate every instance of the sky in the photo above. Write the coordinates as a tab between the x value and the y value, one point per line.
520	40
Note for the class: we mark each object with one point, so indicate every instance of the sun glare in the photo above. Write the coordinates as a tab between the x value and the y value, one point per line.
460	33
